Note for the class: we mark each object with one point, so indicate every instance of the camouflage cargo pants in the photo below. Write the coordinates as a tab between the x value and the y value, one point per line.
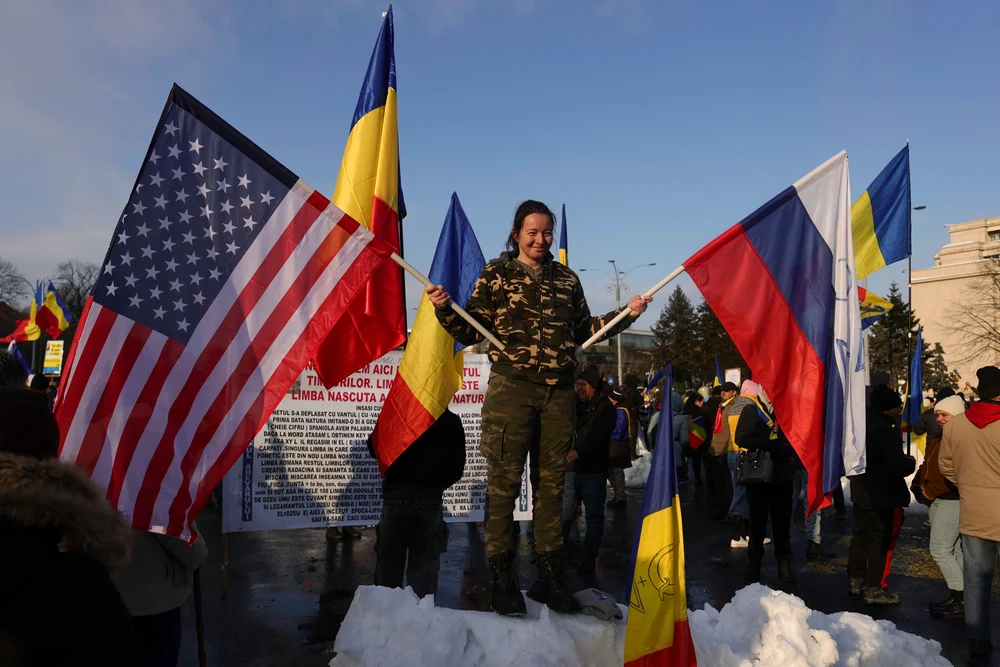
516	412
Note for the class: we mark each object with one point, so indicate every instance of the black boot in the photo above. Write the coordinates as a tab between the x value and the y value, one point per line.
507	599
785	573
953	612
814	551
751	575
539	591
558	598
947	602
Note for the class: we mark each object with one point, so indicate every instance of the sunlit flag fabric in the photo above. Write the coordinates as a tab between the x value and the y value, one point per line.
873	307
657	631
563	242
430	371
224	273
782	284
369	191
46	313
881	218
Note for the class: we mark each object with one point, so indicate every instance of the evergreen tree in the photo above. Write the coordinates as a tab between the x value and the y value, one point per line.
936	372
713	340
675	339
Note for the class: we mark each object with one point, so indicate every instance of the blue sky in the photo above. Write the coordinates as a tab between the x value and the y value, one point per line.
659	124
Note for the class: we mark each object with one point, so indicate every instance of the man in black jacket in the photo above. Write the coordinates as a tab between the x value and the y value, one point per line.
412	520
879	496
587	465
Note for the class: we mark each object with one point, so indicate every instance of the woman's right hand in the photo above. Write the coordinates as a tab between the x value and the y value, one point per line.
438	295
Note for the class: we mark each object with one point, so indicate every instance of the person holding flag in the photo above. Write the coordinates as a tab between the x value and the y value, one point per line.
537	308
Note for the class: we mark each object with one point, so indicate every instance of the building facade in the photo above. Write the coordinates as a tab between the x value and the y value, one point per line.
936	291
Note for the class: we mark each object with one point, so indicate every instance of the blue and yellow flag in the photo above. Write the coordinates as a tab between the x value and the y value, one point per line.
880	218
563	243
719	380
873	307
657	631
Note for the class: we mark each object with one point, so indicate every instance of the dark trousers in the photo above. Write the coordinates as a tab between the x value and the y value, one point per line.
774	499
839	506
872	544
718	468
412	535
159	638
980	558
590	488
696	466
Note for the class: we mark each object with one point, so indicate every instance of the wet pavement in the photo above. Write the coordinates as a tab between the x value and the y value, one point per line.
288	591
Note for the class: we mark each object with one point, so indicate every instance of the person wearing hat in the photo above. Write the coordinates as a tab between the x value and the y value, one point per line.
970	458
61	540
945	545
714	411
587	464
620	451
927	424
879	496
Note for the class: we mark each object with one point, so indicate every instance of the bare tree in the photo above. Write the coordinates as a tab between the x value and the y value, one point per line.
75	281
975	317
13	286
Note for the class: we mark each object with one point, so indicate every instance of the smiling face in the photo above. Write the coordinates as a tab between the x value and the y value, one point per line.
535	238
942	417
584	391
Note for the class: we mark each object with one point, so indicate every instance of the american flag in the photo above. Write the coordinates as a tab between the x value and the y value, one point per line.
224	274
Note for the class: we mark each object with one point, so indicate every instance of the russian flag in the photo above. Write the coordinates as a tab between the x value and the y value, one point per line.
782	284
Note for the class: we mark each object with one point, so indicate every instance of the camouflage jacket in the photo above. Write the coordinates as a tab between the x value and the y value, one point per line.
540	324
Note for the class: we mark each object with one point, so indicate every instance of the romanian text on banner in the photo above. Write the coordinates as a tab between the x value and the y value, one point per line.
224	273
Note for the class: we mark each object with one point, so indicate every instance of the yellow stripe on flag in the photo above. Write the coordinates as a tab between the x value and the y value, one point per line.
430	367
867	256
659	595
365	174
53	305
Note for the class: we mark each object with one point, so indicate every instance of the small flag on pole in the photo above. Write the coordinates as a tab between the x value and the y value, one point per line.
873	307
657	631
563	243
719	379
698	433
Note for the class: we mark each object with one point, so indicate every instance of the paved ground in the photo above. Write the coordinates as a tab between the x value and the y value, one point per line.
289	590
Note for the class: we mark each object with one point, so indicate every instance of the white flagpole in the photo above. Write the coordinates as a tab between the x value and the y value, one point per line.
454	306
622	315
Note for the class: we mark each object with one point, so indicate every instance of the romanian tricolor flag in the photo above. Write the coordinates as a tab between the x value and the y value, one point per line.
657	631
368	190
698	433
563	243
873	307
431	369
719	380
47	313
880	218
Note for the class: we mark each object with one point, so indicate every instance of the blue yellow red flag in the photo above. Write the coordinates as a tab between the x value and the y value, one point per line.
698	434
873	307
368	190
563	243
880	218
657	631
719	379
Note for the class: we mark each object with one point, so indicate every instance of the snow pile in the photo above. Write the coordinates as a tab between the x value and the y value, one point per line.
765	627
636	476
387	626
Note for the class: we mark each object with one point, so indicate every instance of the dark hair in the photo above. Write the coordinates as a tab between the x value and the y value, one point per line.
29	429
39	383
943	393
631	381
524	209
717	391
691	404
12	372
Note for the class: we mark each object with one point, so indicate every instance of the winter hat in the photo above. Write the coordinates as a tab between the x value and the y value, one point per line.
27	426
989	382
943	393
617	395
883	398
749	388
591	376
729	386
598	604
952	405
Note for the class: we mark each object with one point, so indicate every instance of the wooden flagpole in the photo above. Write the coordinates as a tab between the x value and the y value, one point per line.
622	315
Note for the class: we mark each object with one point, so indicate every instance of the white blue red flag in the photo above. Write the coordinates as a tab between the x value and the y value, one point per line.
782	284
224	274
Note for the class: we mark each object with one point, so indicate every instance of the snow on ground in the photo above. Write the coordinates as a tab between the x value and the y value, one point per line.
636	476
758	628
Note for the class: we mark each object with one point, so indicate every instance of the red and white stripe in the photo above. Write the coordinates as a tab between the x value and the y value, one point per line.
158	423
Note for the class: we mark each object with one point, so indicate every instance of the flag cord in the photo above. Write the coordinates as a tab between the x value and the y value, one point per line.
454	306
622	315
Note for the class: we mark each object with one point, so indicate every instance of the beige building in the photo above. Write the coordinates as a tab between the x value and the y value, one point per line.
957	266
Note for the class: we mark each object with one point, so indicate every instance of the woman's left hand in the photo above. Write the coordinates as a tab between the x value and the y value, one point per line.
637	304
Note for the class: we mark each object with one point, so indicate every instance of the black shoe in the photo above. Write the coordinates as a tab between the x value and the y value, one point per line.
980	647
507	599
539	591
881	596
558	598
855	587
785	573
955	611
814	551
947	602
751	575
616	504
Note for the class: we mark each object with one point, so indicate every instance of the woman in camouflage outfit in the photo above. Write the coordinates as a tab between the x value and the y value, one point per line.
536	307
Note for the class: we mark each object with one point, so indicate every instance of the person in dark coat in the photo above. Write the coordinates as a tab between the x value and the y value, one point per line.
756	431
633	402
61	539
927	422
693	404
412	533
879	496
587	468
619	456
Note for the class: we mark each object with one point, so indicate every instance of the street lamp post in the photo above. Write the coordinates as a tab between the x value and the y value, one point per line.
618	285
